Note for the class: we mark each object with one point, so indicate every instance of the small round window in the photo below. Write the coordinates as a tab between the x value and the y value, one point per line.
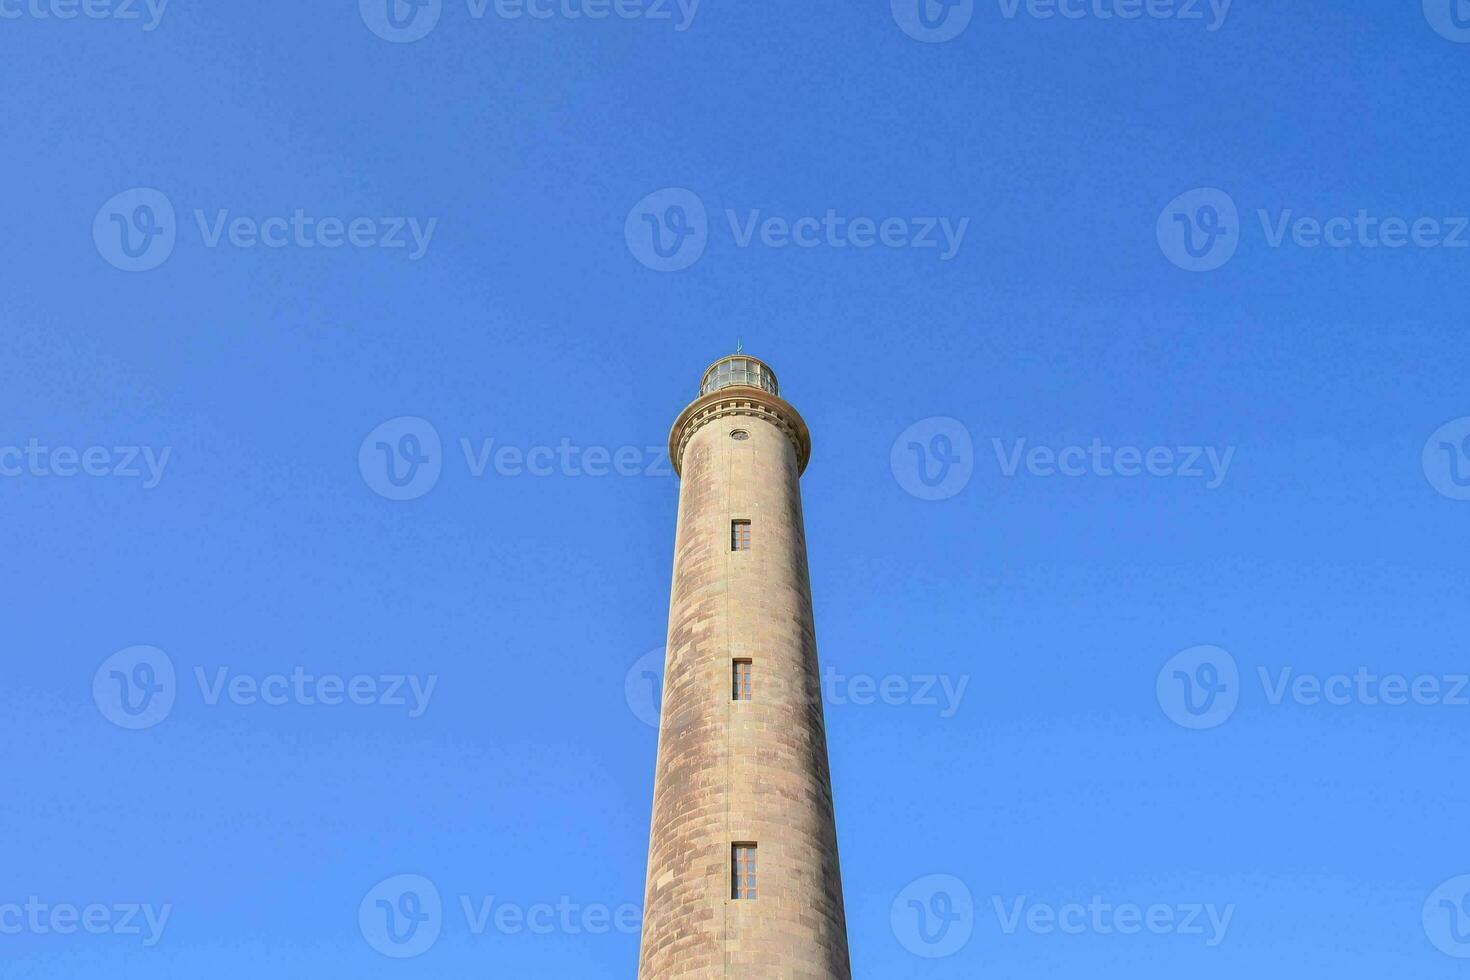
740	435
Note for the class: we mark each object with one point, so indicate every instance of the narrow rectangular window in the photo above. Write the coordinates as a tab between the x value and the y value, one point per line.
739	535
742	873
742	680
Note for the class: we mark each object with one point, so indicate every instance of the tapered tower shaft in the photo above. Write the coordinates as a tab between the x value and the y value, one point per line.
743	875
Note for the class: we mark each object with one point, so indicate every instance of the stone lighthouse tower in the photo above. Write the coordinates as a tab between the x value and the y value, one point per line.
743	877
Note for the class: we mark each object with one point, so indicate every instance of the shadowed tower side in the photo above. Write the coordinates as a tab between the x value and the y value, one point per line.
743	875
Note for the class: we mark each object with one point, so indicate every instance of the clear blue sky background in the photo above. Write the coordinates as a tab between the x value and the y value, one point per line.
530	321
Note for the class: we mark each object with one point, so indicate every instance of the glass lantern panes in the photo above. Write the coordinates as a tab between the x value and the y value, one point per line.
739	371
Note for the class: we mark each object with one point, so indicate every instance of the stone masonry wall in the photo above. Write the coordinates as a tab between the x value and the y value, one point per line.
733	771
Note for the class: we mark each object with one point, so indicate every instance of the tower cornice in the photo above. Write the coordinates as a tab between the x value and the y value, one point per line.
744	400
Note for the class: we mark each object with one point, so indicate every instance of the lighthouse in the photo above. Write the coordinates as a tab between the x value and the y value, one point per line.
743	873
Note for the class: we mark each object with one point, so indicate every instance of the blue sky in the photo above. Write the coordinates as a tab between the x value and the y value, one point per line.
1170	253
